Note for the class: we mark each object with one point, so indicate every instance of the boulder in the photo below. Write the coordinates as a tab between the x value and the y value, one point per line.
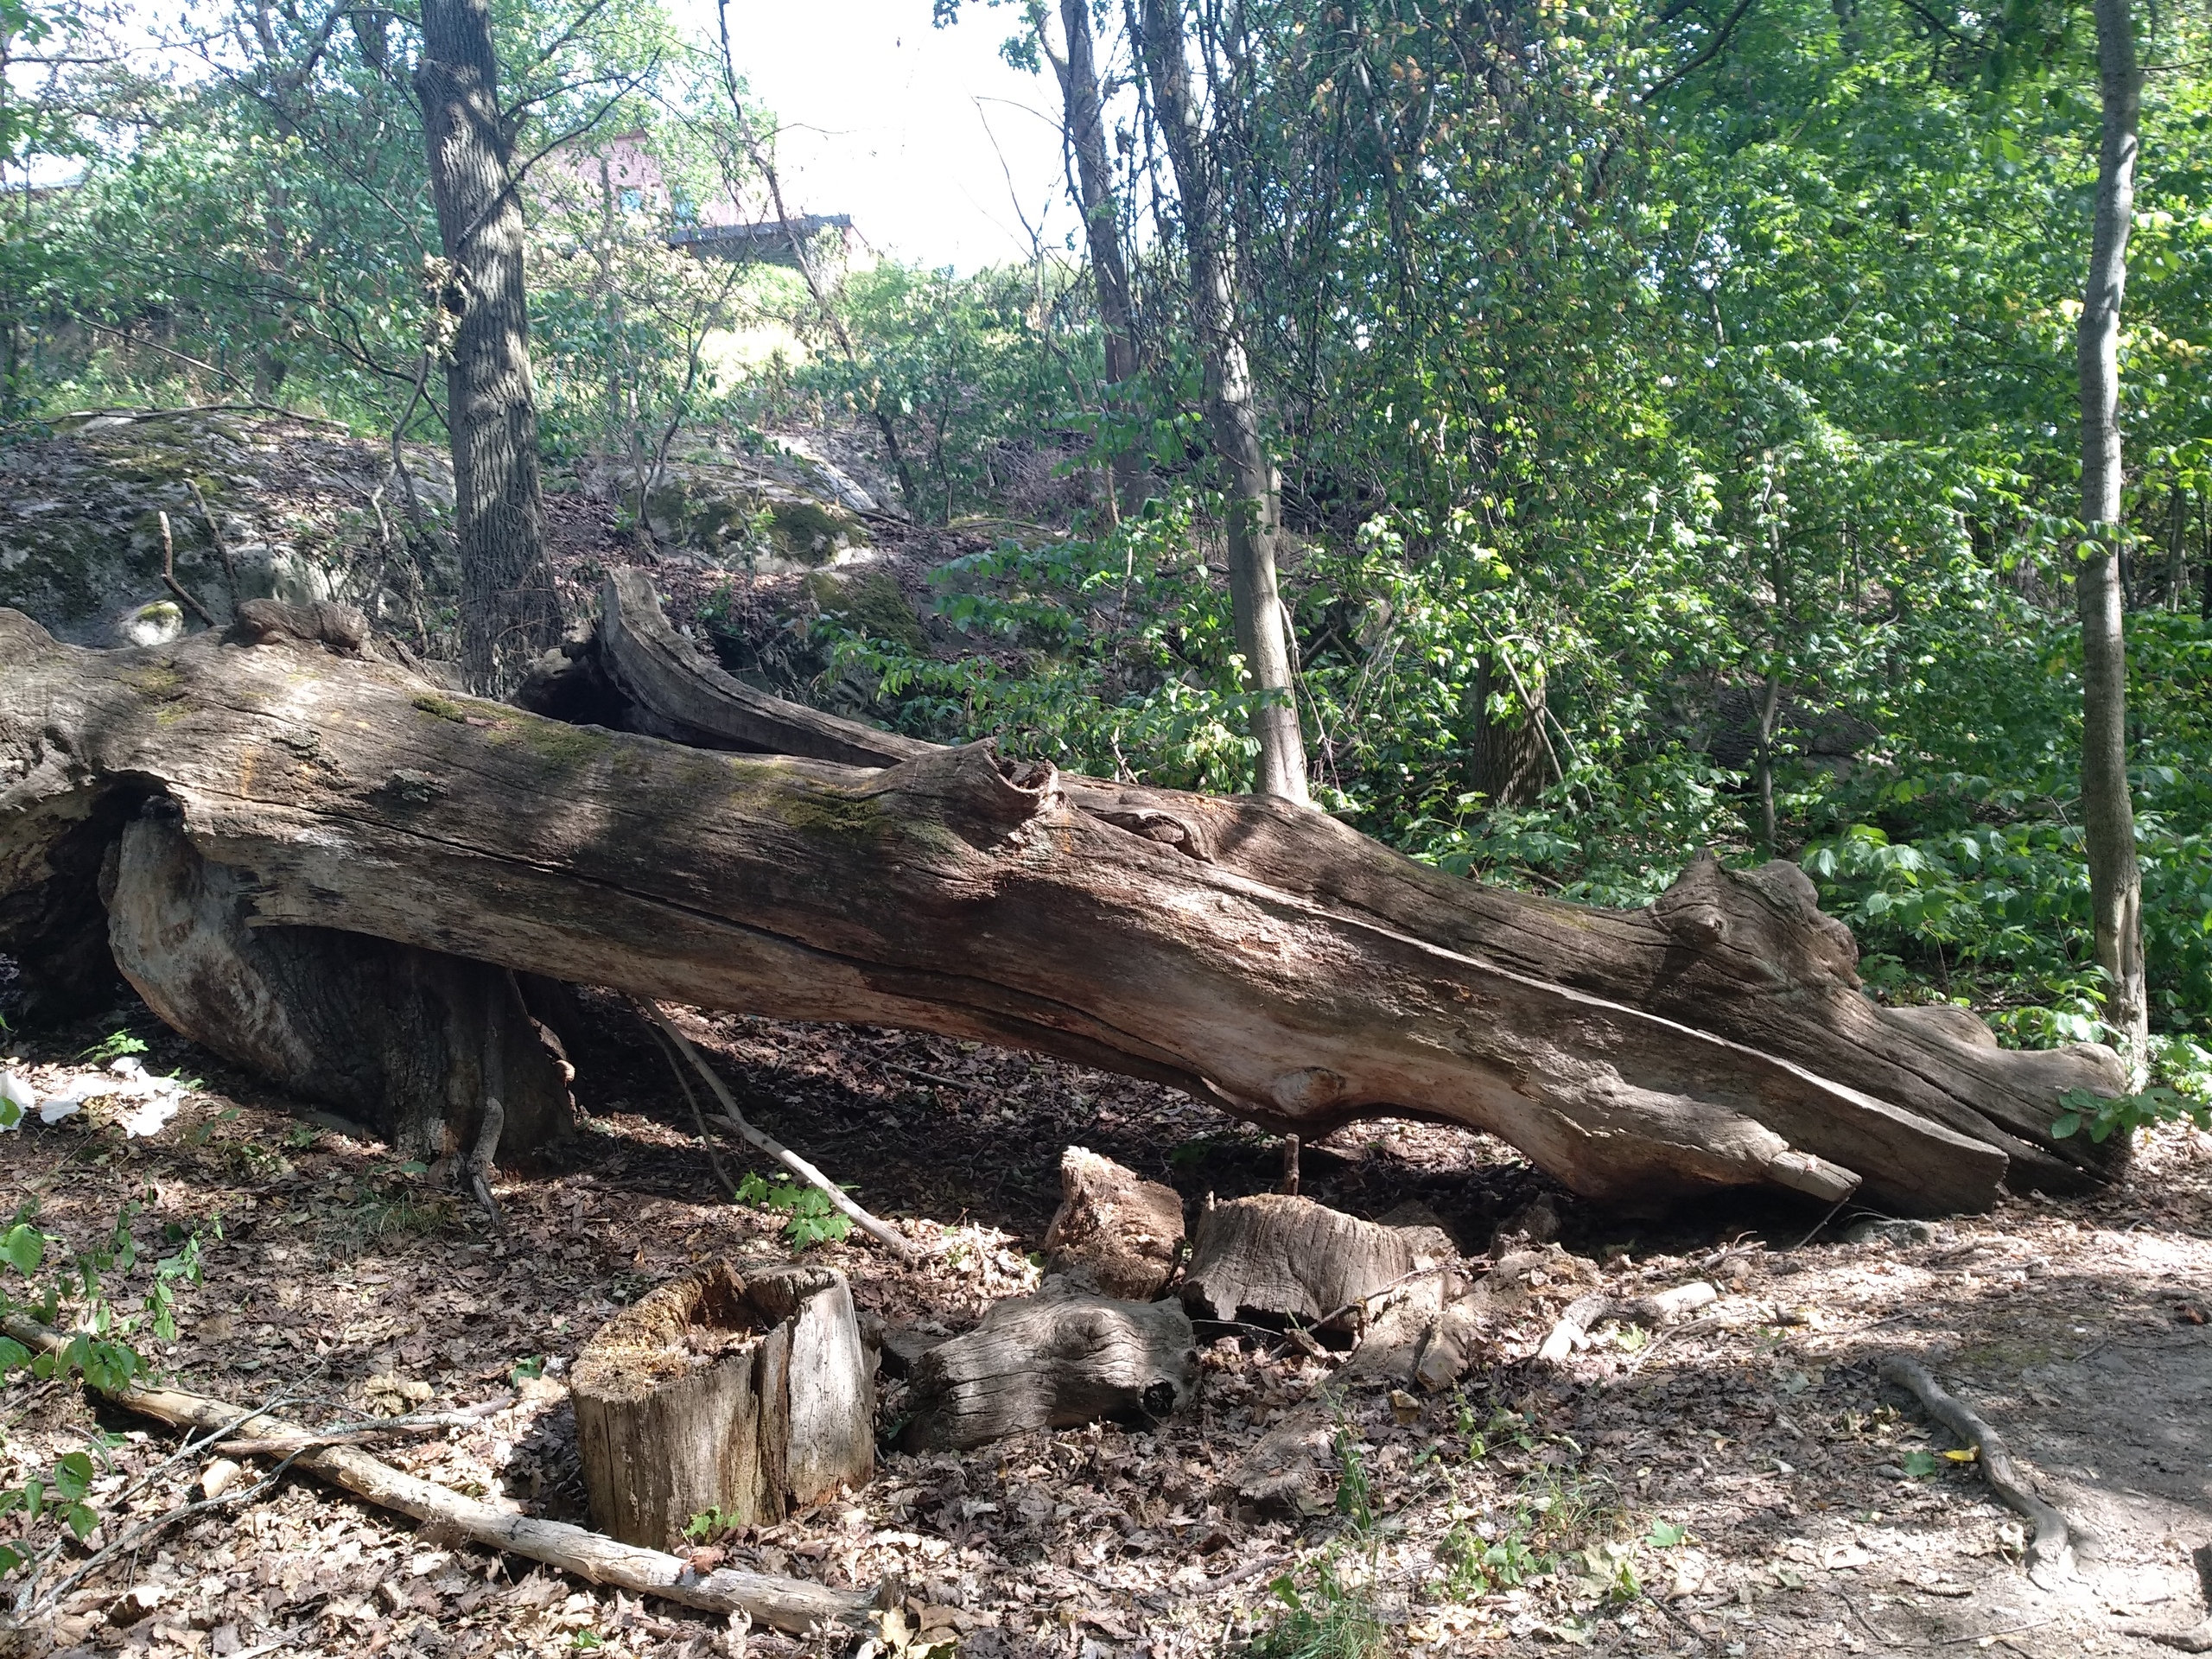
295	501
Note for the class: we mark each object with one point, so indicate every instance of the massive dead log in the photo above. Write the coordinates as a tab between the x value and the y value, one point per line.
1260	956
1744	955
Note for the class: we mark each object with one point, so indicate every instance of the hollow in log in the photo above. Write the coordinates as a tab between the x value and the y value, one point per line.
741	1394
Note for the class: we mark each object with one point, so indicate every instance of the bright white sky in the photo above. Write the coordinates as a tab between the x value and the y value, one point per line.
912	130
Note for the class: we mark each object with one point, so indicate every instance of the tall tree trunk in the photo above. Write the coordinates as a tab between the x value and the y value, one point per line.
1084	117
510	612
1232	421
2108	815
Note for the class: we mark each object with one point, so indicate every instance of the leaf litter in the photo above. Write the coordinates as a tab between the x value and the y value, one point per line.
1739	1483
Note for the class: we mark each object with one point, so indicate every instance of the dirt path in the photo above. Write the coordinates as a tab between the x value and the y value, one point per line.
1736	1485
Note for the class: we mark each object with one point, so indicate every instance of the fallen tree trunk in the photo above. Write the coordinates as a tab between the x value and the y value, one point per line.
1261	956
1744	955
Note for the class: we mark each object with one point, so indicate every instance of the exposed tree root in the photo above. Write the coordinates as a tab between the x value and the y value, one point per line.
2050	1555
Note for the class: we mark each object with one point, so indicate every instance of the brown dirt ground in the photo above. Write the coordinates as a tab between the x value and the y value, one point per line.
1729	1486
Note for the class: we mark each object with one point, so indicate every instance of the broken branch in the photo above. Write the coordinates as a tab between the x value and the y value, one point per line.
735	1120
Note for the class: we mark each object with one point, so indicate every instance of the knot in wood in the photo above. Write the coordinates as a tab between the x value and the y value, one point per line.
1314	1088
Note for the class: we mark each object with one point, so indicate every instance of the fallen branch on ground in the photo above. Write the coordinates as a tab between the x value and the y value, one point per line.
2050	1555
790	1605
735	1120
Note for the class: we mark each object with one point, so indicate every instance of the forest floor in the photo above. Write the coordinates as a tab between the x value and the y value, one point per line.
1740	1484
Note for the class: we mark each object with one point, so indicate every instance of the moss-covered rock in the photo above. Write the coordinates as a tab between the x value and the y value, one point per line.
81	511
773	514
871	601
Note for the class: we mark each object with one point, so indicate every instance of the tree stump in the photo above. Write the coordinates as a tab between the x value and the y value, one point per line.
1114	1232
1293	1258
746	1394
1053	1361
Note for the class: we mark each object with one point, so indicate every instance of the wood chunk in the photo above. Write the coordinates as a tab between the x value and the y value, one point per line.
743	1392
1293	1258
1114	1232
1053	1361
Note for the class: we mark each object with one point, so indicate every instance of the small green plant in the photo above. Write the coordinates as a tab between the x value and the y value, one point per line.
80	1285
1334	1619
811	1218
113	1047
523	1370
1355	1487
2103	1115
709	1525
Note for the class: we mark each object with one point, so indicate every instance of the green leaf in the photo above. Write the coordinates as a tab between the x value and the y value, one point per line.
73	1475
23	1247
12	1354
1920	1464
1665	1534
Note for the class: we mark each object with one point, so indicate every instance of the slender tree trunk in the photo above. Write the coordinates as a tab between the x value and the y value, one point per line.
1768	708
1094	186
510	612
1232	421
2108	815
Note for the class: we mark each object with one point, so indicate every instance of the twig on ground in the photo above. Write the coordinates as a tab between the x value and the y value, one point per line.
1658	1338
925	1077
140	1536
791	1604
1823	1222
169	573
2051	1556
2194	1639
735	1120
698	1117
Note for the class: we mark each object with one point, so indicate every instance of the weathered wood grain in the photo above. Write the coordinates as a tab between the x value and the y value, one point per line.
1053	1360
1280	965
744	1393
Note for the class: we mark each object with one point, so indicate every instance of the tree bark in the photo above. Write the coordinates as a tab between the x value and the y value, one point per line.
1260	957
1093	184
510	611
2107	813
1232	417
407	1041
